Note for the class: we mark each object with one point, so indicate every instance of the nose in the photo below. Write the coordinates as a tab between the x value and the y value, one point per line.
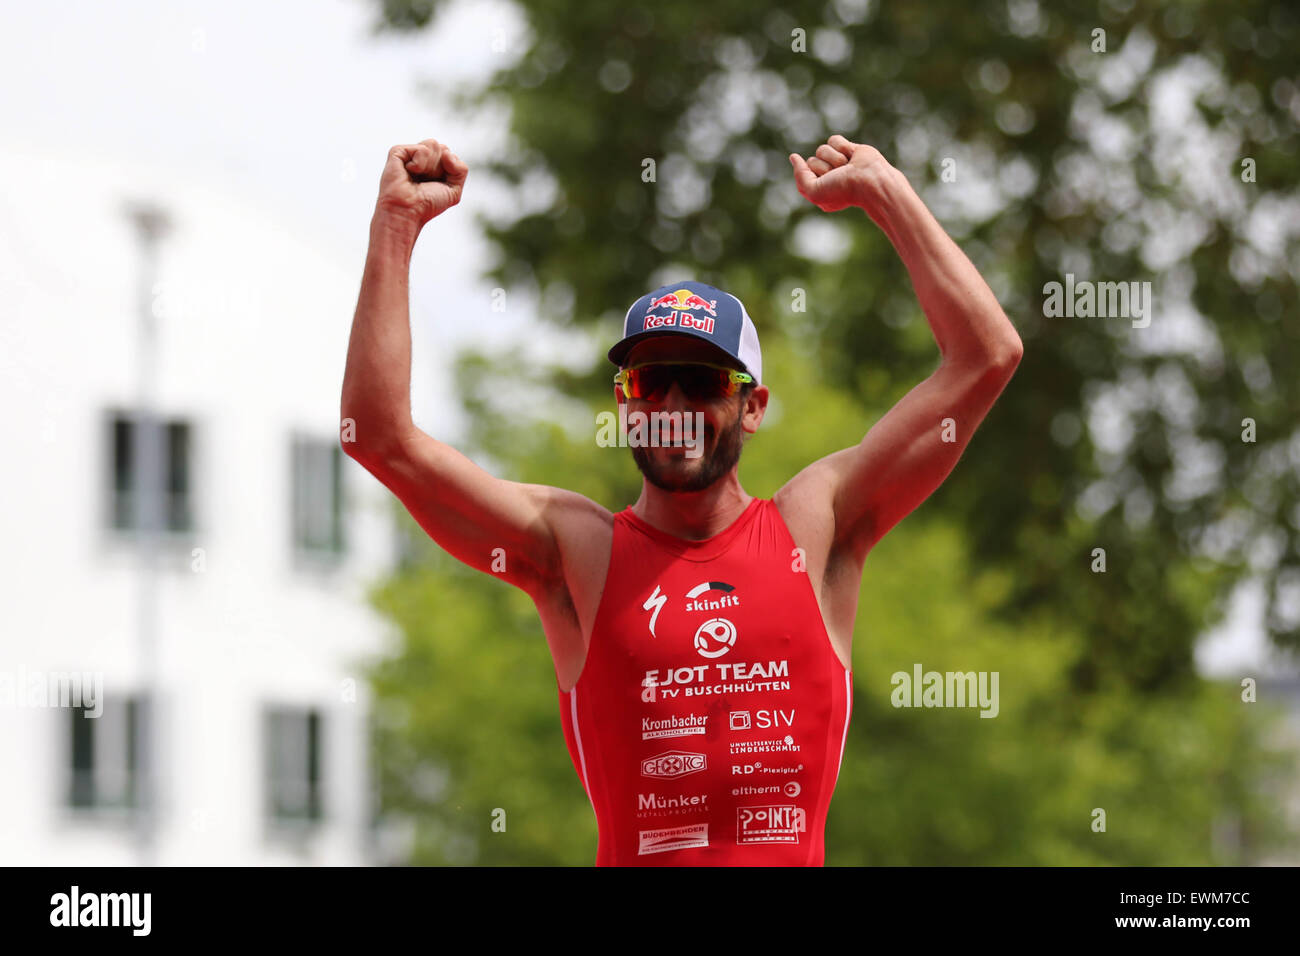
675	399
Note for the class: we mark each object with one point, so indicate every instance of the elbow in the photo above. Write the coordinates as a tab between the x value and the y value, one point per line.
1007	356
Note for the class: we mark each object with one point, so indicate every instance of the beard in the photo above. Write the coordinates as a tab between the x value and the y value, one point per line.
680	473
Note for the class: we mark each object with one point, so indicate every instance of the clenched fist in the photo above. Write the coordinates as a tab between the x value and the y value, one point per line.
421	181
841	174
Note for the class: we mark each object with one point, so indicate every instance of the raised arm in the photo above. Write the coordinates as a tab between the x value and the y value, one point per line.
499	527
905	456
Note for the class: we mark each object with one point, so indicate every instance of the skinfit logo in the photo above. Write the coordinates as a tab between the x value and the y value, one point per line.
673	763
715	637
696	599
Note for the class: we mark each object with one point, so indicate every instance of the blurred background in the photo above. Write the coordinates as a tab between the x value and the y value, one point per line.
291	673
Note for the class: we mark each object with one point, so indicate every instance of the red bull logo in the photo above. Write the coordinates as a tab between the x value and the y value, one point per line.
683	302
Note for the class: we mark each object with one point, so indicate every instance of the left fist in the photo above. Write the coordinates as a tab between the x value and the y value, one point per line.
841	174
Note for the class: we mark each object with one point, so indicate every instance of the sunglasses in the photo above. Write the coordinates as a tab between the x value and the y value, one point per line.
700	381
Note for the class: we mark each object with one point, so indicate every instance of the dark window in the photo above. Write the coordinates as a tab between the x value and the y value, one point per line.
173	481
317	496
104	754
293	765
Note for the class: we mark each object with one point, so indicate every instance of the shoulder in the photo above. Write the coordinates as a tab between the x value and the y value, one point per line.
580	526
806	504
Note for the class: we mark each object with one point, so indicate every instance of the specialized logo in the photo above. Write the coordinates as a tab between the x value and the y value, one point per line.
664	839
761	719
656	601
770	824
715	637
681	304
725	599
673	763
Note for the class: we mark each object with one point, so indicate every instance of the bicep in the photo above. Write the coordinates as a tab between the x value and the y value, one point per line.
909	452
497	526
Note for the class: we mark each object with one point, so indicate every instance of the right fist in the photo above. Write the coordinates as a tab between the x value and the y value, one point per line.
421	181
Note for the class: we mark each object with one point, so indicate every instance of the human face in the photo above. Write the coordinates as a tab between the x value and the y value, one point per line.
668	467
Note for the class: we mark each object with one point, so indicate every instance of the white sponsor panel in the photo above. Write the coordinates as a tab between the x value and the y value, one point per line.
673	763
664	839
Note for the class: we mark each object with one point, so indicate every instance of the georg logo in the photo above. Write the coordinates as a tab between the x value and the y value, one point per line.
673	763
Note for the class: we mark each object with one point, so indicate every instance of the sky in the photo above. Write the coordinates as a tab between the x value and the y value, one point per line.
293	106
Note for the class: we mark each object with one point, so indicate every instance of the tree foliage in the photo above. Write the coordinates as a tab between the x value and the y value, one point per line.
1114	142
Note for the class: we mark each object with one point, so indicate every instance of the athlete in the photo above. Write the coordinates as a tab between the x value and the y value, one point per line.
701	637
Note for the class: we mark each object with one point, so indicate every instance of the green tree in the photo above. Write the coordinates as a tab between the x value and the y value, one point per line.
1112	142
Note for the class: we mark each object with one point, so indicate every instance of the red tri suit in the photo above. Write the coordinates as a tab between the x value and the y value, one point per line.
709	720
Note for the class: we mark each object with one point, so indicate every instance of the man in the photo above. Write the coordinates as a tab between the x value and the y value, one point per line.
701	637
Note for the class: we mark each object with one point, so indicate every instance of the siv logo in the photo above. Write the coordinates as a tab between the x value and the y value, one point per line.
762	719
102	909
673	763
725	597
770	824
715	637
656	601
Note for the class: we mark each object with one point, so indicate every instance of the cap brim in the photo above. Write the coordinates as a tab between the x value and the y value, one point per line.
618	353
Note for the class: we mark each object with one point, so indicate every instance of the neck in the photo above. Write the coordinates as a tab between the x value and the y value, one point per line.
694	515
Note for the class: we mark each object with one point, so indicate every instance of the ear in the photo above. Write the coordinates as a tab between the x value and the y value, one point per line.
755	407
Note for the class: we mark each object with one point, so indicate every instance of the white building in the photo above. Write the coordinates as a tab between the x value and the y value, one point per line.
273	535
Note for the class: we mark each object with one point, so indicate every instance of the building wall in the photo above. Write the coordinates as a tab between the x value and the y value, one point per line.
252	336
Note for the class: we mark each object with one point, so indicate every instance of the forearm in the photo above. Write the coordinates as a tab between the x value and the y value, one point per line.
377	379
964	315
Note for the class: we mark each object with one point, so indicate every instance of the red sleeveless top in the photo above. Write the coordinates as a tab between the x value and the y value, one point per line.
709	720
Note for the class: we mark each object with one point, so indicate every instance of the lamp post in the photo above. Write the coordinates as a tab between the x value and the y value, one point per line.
151	224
